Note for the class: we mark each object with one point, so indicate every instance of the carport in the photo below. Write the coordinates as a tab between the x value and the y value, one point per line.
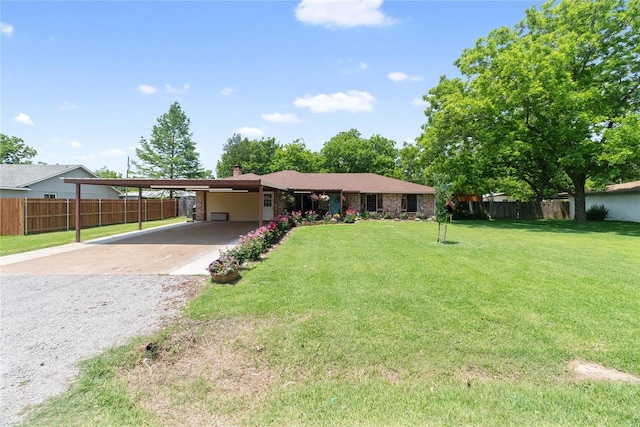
201	186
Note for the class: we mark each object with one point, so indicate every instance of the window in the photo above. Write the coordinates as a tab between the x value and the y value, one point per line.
49	195
412	203
268	200
372	202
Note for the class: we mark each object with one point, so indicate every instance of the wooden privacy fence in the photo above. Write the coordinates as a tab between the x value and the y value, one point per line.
555	209
31	216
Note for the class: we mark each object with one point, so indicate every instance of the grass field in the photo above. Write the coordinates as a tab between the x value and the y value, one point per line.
16	244
376	324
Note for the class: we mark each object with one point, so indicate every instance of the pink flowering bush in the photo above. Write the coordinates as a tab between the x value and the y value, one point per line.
255	243
350	216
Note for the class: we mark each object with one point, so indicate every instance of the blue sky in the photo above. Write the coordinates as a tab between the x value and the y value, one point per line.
83	81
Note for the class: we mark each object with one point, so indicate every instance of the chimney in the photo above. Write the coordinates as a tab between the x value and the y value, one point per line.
237	170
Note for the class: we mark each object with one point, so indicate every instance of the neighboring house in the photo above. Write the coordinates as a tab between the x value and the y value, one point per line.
45	182
495	197
622	201
320	192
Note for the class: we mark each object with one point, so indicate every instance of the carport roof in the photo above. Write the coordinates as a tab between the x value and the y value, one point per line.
251	184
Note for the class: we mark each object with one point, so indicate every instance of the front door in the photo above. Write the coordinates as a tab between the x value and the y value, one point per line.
334	203
267	206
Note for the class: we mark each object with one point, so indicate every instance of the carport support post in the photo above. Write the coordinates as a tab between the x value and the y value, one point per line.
140	208
78	212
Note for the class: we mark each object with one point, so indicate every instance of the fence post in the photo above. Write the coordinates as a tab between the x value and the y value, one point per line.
26	217
67	214
161	209
99	212
125	210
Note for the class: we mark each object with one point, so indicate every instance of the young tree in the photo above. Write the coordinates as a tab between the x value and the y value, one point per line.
442	186
255	156
13	150
170	152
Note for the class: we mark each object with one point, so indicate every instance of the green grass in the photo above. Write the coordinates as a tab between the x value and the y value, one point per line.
16	244
376	324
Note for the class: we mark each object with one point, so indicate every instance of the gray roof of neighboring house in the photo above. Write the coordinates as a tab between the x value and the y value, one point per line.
21	176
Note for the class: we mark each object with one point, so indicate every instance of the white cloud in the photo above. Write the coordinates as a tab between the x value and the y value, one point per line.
353	101
228	91
419	102
247	131
171	89
363	66
146	89
112	152
24	119
75	144
281	117
399	76
6	29
68	106
342	13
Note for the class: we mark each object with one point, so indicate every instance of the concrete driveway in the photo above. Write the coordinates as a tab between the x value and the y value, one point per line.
179	249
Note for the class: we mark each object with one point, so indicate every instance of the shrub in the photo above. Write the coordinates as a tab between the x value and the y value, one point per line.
404	215
387	215
350	216
597	213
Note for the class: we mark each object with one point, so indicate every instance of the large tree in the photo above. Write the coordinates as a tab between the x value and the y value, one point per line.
13	150
547	101
170	152
255	156
349	152
295	156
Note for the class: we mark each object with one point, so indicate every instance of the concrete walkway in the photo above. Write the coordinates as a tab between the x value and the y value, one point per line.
178	249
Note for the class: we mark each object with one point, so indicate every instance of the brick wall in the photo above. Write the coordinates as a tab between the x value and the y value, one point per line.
200	205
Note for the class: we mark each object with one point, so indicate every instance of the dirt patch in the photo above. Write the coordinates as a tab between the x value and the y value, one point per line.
592	371
214	371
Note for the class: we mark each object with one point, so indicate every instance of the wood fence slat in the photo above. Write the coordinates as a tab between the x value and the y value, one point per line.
44	215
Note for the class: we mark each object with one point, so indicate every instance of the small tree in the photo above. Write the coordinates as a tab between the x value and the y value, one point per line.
13	150
443	193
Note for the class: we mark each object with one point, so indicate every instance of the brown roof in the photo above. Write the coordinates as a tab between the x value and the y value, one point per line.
627	186
347	182
283	180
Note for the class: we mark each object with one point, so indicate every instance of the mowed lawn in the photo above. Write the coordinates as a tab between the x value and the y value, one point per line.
376	324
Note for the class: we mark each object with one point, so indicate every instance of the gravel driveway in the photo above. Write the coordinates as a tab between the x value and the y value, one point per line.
84	298
50	323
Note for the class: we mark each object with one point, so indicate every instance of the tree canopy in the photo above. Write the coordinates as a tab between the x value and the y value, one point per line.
295	156
349	152
13	150
255	156
552	102
170	152
345	152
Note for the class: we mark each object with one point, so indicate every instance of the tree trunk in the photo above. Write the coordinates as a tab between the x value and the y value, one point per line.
580	214
438	241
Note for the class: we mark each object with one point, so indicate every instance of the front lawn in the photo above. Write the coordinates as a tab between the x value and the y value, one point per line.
376	324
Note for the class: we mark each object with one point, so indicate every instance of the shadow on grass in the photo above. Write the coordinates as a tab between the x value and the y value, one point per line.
448	242
559	226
